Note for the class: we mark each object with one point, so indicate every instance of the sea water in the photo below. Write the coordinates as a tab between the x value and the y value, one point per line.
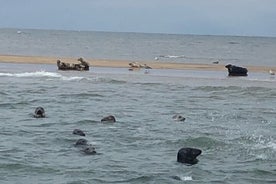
231	119
259	51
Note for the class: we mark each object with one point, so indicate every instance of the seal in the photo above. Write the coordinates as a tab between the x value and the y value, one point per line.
178	117
85	147
188	155
89	150
39	112
109	118
78	132
236	70
81	142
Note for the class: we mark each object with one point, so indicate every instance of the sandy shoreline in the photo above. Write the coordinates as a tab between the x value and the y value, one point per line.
124	63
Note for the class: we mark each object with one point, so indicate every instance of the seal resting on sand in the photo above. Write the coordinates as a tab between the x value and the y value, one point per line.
82	66
236	70
188	155
178	117
109	118
39	112
78	132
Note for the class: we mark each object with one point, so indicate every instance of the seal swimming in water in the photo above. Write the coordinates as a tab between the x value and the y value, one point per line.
188	155
78	132
109	119
39	112
89	150
178	118
85	147
81	142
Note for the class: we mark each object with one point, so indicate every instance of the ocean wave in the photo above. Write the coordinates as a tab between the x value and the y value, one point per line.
48	75
195	58
183	178
172	56
110	80
206	143
257	147
31	74
169	57
74	78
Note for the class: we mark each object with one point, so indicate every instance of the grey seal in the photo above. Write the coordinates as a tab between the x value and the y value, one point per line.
85	147
89	150
188	155
236	70
109	118
78	132
178	117
39	112
81	142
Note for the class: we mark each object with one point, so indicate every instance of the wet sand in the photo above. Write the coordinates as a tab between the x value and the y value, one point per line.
125	63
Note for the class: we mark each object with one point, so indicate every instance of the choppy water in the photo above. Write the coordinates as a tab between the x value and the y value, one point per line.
137	46
231	119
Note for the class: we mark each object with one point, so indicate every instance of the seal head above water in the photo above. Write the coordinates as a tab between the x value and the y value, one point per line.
188	155
108	119
78	132
89	150
178	117
85	147
81	142
39	112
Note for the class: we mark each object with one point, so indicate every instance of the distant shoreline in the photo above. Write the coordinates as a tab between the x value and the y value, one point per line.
124	63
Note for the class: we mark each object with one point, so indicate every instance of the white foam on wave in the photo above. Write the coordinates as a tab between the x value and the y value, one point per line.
186	178
263	147
31	74
262	156
49	75
262	142
75	78
272	145
169	56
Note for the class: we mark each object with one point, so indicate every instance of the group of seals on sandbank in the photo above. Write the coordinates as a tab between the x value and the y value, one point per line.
82	66
184	155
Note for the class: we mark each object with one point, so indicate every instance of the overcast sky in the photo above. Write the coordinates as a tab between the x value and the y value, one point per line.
204	17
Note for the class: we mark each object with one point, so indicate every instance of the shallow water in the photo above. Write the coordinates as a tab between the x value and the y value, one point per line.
231	119
237	50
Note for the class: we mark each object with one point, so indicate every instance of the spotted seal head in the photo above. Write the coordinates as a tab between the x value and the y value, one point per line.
78	132
39	112
89	150
188	155
81	142
85	147
110	119
178	117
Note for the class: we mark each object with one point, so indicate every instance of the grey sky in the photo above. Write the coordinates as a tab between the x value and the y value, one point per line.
205	17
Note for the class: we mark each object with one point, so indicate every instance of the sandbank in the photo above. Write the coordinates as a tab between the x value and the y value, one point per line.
124	63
